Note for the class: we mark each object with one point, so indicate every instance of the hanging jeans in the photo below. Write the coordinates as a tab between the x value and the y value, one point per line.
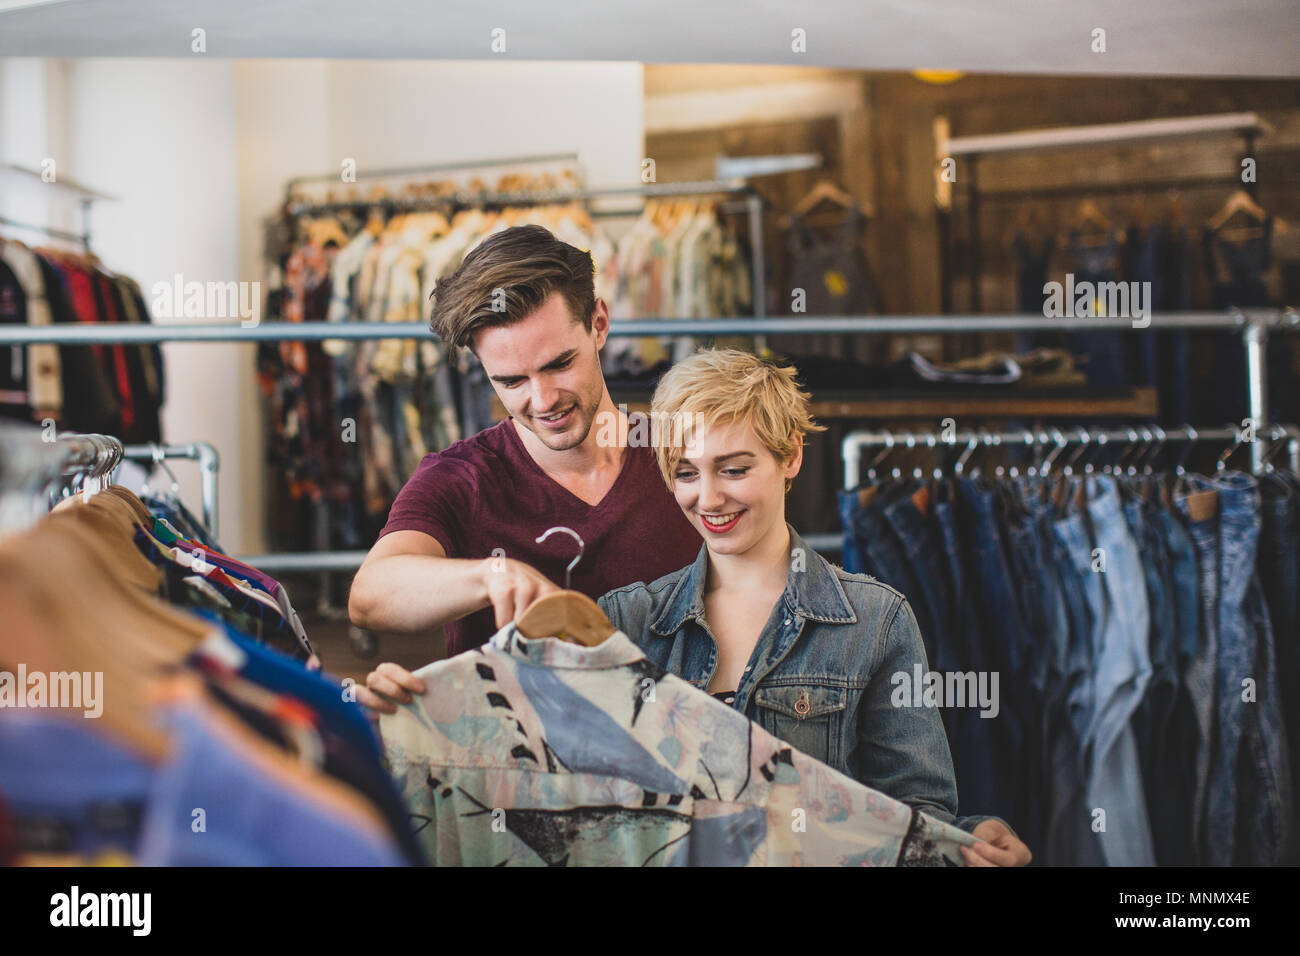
1173	735
1246	738
1280	576
1122	669
1069	839
1000	628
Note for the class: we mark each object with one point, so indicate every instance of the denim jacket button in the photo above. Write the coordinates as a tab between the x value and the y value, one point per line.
787	621
802	706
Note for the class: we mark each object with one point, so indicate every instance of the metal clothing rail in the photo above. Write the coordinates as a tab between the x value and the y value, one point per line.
117	334
209	466
465	166
1060	438
63	187
1253	324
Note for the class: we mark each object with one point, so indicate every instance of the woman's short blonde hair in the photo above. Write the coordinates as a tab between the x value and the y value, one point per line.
723	387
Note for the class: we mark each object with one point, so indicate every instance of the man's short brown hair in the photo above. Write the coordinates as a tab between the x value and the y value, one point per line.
507	276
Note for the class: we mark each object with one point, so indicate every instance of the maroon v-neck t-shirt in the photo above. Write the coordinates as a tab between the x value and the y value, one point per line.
486	492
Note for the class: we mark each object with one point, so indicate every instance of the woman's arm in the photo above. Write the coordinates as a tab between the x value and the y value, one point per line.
903	751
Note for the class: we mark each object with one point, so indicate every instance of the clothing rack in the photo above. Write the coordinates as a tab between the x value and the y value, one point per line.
855	442
746	195
971	148
65	187
425	170
1254	325
209	466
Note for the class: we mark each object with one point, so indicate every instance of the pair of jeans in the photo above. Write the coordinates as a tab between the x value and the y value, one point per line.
1151	719
1121	671
999	625
1279	573
1069	839
1246	729
978	744
1174	737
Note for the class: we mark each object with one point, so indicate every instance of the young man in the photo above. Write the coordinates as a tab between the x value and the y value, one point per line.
460	548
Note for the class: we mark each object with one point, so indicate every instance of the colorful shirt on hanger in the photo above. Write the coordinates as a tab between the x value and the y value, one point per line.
543	753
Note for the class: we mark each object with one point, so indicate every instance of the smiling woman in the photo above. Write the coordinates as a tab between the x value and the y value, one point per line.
803	648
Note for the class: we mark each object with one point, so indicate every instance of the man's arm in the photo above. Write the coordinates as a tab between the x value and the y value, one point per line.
407	584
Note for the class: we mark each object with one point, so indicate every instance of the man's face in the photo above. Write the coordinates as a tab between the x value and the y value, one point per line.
545	368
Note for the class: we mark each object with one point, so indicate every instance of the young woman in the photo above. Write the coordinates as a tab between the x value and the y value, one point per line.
800	646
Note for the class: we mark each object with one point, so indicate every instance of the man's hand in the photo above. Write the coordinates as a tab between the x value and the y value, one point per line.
512	586
388	683
1001	847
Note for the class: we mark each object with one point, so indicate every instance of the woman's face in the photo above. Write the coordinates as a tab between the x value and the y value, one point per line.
732	488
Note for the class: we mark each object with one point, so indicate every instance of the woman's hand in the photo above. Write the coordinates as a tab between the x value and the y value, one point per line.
1001	847
388	683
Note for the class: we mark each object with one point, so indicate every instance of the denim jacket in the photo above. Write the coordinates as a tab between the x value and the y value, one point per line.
820	674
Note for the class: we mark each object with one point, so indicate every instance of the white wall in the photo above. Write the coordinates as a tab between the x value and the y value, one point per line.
160	135
198	151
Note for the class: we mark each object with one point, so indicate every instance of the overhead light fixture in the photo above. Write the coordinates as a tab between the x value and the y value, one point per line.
938	77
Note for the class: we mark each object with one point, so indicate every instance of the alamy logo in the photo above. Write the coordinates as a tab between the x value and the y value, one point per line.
103	909
953	689
72	690
1129	300
179	299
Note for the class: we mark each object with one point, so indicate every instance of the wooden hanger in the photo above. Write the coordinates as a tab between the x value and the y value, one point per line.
825	192
568	615
1239	202
1087	214
1173	211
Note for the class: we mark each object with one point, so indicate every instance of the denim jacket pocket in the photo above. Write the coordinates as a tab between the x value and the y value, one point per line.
809	717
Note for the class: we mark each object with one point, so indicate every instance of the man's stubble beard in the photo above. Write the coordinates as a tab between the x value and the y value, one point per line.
587	418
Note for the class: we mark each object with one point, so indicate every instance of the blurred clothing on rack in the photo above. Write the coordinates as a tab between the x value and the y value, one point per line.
829	265
115	389
215	748
392	401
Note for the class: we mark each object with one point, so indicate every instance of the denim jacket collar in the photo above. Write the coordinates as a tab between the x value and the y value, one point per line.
812	591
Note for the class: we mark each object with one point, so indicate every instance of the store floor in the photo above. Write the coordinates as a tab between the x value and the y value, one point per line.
342	656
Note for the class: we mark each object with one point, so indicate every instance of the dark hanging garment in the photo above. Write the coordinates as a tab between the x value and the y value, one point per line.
1108	364
1238	269
13	360
89	402
832	272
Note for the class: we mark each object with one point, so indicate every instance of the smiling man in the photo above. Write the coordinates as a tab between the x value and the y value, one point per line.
460	548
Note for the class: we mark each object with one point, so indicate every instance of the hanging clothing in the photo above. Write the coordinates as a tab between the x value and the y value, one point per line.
831	269
595	756
1109	362
1122	620
80	793
113	389
266	762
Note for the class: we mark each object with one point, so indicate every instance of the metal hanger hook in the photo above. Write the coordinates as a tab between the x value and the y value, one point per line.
568	571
